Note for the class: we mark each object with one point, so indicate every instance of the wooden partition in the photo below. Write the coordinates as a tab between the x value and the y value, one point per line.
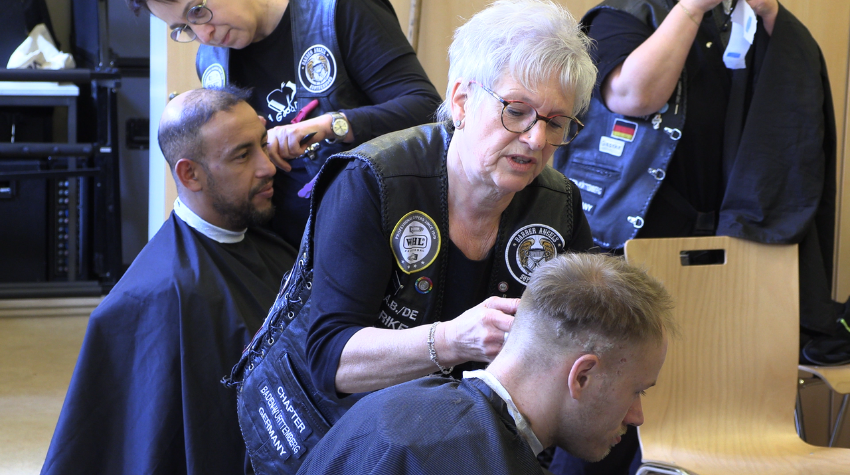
440	18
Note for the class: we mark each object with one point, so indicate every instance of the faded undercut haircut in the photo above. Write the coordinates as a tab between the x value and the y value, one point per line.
593	301
533	41
181	138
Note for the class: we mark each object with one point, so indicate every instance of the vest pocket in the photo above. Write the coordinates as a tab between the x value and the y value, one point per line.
279	420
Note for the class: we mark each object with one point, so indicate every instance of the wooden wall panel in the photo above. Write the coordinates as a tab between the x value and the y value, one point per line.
440	18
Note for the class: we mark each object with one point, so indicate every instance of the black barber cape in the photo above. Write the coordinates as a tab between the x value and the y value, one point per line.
429	426
145	396
779	159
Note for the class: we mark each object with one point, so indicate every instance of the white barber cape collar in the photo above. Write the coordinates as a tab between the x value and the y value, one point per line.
520	420
211	231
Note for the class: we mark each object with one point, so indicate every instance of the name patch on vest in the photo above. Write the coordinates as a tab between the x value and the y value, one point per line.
213	77
529	247
415	242
588	187
317	69
611	146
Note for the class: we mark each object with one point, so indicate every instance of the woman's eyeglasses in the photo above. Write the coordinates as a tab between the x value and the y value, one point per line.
197	15
519	117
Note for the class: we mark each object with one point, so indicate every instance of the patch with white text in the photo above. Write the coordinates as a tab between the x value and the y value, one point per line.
415	242
529	247
588	187
278	444
611	146
396	315
317	69
282	101
214	77
276	417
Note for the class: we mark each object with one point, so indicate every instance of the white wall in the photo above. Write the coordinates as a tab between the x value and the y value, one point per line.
157	167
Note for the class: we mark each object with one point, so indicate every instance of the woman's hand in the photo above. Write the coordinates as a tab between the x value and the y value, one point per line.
477	334
285	141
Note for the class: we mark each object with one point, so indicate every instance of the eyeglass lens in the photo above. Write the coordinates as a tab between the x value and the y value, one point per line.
183	34
519	117
197	15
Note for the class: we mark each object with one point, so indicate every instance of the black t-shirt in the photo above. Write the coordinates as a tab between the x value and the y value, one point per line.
353	266
379	61
695	170
267	66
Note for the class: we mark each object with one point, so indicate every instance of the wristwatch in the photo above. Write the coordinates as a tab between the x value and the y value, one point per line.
339	126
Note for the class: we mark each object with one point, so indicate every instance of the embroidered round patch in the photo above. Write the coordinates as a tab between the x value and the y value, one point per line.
317	69
424	285
213	77
415	242
529	247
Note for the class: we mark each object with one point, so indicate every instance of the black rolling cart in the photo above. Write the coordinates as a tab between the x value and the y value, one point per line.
60	226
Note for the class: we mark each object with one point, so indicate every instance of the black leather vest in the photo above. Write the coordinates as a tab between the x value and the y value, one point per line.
414	200
619	161
319	66
410	167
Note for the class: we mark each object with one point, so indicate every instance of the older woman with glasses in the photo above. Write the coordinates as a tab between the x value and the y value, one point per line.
422	240
326	74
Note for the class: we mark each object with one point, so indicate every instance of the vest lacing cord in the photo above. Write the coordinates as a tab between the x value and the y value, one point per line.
283	311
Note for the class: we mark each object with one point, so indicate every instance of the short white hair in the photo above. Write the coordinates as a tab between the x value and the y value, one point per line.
532	41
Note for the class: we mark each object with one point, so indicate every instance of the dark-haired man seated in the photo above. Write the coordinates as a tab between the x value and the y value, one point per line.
589	337
145	396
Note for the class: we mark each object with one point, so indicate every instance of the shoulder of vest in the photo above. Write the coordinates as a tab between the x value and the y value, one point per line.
650	12
417	151
208	55
299	8
552	180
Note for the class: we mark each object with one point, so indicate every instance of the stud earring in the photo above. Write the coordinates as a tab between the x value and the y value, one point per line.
458	123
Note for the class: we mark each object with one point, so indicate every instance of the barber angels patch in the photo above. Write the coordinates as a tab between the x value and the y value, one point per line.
529	247
415	242
214	77
317	69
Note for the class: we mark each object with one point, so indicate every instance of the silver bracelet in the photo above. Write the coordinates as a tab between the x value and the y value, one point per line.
433	351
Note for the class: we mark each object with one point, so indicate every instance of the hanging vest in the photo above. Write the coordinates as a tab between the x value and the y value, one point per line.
618	162
273	376
319	66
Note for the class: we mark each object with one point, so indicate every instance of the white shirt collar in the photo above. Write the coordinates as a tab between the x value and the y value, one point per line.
213	232
520	420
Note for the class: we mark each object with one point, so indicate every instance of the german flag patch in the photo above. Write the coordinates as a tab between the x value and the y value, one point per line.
624	130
